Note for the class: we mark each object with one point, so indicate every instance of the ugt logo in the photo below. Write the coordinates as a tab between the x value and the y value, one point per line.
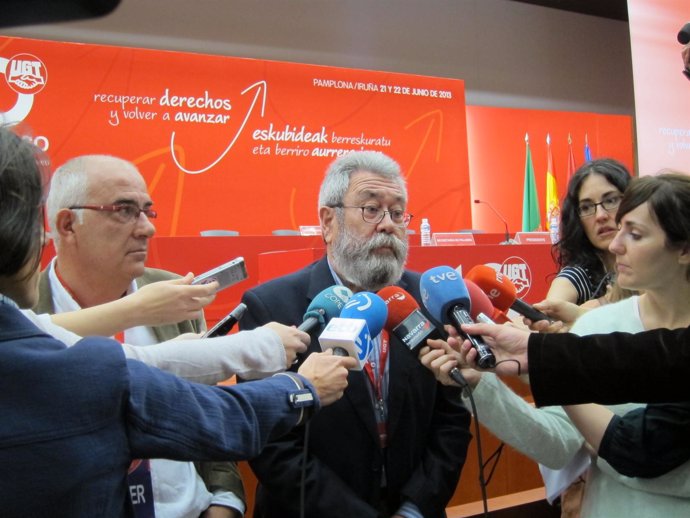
517	270
26	74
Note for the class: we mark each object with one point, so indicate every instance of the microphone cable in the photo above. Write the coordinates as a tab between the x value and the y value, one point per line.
495	456
303	470
482	482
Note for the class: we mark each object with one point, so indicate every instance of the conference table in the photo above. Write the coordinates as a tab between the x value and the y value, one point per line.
530	267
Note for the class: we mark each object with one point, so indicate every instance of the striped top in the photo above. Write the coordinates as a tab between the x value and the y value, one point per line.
589	285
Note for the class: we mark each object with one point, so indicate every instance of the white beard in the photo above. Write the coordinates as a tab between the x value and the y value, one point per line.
355	261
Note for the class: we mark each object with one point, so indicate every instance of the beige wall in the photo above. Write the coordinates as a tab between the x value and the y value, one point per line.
509	53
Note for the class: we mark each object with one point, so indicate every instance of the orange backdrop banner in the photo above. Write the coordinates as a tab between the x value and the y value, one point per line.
497	155
237	143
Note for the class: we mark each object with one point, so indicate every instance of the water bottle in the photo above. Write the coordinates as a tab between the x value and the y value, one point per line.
425	232
554	222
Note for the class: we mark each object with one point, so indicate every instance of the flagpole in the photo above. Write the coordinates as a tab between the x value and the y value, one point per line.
531	219
553	210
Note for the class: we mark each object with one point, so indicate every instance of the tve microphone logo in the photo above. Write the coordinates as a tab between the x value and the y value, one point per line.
438	278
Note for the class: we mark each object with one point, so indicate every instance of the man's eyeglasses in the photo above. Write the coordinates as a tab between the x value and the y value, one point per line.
609	204
123	212
374	215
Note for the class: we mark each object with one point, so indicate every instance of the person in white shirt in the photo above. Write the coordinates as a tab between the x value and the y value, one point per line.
100	215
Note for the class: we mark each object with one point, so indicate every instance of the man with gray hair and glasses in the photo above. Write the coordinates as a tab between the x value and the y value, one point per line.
395	444
100	215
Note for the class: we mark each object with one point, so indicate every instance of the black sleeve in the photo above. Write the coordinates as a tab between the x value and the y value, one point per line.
649	441
649	367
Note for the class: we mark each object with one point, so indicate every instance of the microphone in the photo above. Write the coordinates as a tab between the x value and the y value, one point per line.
223	327
405	318
502	292
445	297
480	304
507	241
352	332
326	305
407	322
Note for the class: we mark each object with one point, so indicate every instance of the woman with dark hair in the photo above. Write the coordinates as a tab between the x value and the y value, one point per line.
586	278
621	443
587	227
74	417
21	222
652	252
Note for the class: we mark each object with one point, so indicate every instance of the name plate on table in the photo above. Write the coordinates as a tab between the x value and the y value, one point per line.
453	239
310	230
533	238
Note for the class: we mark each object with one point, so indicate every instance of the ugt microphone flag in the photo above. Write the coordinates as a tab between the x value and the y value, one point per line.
571	159
531	220
553	210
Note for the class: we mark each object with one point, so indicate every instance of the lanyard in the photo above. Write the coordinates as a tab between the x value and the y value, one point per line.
66	286
120	337
376	376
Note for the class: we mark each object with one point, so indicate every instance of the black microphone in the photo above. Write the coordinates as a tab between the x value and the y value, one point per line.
507	241
224	326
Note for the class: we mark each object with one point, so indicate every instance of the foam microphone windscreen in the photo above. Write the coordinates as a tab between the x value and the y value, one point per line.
442	288
399	303
480	303
326	305
405	318
368	306
499	288
446	298
502	292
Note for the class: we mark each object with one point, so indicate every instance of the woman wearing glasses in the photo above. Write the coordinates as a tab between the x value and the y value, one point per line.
585	279
587	228
652	254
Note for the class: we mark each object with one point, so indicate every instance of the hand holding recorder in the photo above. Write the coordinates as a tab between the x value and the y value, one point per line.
169	302
227	274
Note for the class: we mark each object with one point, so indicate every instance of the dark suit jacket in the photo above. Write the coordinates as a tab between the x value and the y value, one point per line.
427	427
74	417
217	476
649	367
